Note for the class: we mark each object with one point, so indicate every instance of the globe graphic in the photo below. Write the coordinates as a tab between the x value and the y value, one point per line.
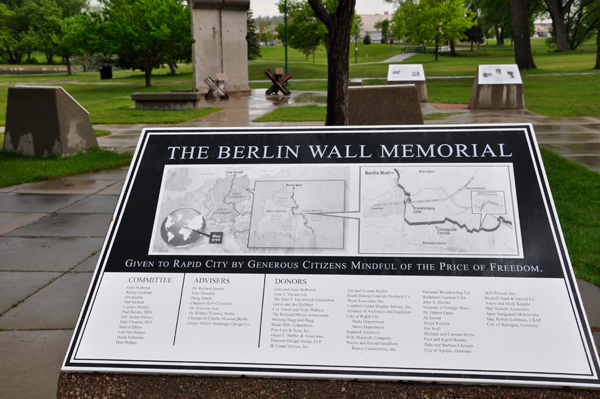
182	227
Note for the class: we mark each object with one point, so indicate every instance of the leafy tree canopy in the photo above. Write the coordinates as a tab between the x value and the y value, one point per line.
252	37
146	33
432	22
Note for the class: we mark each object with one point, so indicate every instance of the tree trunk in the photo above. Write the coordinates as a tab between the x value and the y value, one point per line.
84	59
523	54
49	57
436	48
557	13
14	57
453	48
148	73
68	62
173	67
598	48
339	25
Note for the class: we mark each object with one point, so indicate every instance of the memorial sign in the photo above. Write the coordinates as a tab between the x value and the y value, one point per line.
429	253
497	87
405	73
499	74
411	74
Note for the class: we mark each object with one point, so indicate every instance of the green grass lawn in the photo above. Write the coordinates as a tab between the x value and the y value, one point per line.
553	96
98	132
113	104
576	192
303	113
580	60
16	169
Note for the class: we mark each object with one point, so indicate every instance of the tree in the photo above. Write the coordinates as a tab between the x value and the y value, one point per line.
180	49
142	33
495	14
45	28
252	38
434	21
5	15
305	31
580	24
475	34
383	26
17	40
89	37
339	26
520	16
558	10
397	25
65	42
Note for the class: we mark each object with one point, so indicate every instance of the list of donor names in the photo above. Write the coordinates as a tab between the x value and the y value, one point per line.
443	327
368	320
374	315
299	311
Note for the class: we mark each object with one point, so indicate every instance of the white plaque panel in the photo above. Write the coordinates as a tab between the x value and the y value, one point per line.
499	74
405	73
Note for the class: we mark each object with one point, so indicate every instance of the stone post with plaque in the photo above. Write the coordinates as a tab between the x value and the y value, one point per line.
402	74
497	87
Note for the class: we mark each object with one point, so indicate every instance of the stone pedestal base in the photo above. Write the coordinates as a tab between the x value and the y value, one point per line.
500	94
44	121
181	100
385	105
167	101
421	88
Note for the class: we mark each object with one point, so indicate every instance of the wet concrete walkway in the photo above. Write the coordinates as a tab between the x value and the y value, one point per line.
51	233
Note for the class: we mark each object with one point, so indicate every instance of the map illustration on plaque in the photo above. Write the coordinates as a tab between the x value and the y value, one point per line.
283	214
272	209
466	210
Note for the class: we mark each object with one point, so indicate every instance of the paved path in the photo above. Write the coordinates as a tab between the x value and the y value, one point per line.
399	57
51	232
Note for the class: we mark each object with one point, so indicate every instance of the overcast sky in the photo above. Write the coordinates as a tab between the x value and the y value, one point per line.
269	7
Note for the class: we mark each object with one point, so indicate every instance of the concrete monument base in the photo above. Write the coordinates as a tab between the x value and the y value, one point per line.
421	87
44	121
385	105
167	101
497	96
181	100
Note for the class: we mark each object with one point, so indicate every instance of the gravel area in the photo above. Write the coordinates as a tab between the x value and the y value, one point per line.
113	386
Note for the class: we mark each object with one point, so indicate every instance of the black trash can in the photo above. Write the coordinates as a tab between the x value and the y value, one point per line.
106	72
